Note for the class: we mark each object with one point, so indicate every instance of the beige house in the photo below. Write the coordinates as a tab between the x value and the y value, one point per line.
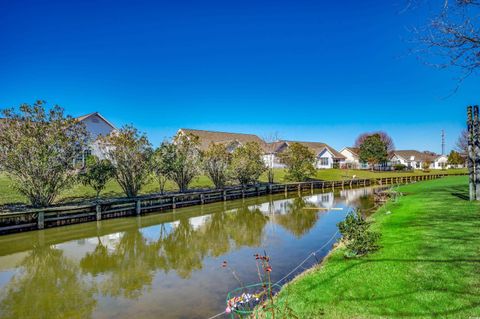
327	156
230	140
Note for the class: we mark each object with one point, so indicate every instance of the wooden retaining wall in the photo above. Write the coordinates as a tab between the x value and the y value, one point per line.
12	222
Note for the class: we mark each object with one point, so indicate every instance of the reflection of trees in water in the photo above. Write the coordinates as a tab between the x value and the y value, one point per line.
48	286
130	266
298	220
132	270
183	249
246	226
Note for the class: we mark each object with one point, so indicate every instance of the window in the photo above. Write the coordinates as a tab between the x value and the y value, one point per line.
87	152
324	161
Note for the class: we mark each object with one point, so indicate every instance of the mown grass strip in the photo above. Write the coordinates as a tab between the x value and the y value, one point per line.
428	266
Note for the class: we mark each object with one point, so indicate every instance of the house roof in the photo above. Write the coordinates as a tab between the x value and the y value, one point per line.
316	147
208	137
353	150
416	155
86	116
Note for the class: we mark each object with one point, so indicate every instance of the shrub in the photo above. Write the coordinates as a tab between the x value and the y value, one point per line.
130	152
299	161
399	167
97	173
247	164
38	147
358	239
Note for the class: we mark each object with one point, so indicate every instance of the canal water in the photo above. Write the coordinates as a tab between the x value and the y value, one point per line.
166	265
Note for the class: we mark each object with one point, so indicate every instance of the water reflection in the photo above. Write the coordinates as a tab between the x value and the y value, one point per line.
47	286
69	278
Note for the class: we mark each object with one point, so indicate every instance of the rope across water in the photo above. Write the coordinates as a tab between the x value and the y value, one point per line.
312	254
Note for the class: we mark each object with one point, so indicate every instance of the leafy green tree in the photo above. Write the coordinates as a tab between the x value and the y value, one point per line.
130	152
185	161
162	159
216	160
299	161
455	159
373	150
247	163
97	173
38	148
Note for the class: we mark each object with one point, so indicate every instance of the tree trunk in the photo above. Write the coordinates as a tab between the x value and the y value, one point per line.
476	147
471	156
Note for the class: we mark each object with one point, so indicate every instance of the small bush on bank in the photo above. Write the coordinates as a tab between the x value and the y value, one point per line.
399	167
358	239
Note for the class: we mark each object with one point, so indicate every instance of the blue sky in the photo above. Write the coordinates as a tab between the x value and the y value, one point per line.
308	70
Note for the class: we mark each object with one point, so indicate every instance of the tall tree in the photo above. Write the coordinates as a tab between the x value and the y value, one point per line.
216	160
386	139
461	145
37	150
247	163
97	173
130	152
299	161
452	36
185	160
270	147
373	150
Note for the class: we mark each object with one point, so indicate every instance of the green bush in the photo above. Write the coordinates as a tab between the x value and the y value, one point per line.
399	167
358	239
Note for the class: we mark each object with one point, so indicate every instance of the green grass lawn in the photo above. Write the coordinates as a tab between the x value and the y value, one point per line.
8	195
428	266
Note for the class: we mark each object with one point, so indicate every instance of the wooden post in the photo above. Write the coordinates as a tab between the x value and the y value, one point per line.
243	192
202	199
299	187
224	195
138	207
311	188
286	190
174	205
41	220
98	209
476	151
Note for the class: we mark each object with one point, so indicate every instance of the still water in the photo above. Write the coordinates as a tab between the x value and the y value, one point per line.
163	265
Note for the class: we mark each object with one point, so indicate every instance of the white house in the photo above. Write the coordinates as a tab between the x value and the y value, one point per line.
415	159
440	162
352	159
96	126
327	156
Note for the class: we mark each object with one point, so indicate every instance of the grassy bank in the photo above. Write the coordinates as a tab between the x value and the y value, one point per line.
428	266
8	195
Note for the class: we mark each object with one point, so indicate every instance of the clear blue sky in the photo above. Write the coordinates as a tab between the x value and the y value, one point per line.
311	70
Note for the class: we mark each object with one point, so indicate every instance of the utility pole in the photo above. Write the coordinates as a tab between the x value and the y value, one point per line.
443	142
